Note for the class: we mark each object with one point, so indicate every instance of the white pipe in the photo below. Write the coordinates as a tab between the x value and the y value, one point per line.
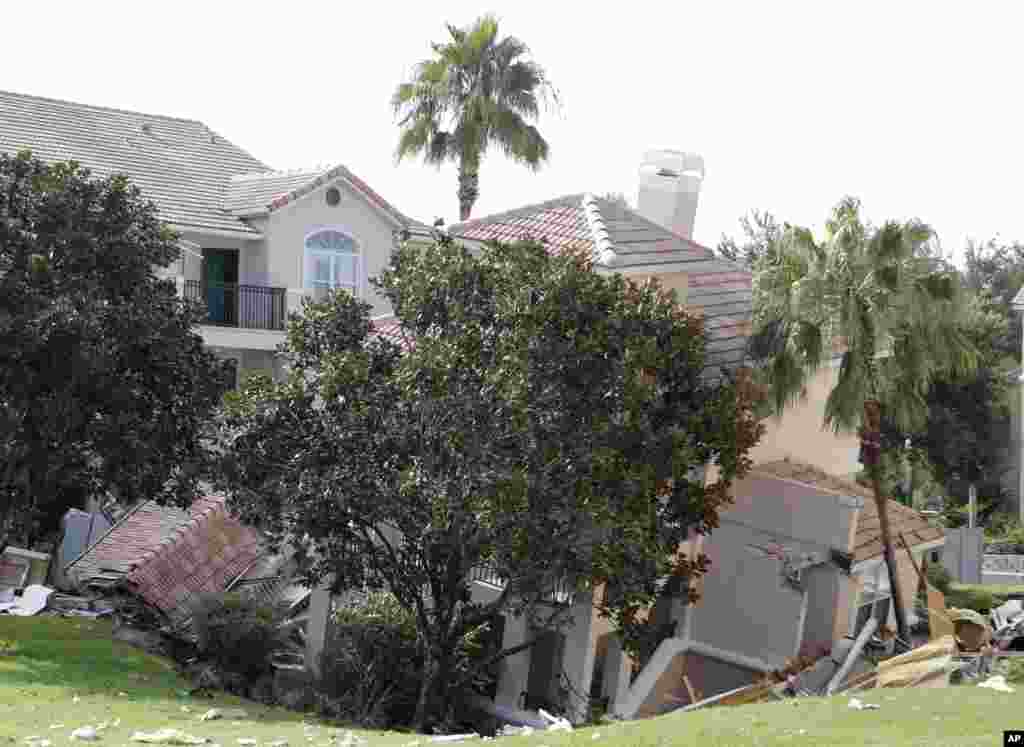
851	658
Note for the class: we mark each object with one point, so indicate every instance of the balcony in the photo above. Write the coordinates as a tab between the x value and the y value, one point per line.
240	306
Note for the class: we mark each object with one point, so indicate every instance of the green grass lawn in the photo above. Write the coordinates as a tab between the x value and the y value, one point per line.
55	661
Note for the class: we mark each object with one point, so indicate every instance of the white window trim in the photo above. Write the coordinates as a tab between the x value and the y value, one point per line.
875	571
360	265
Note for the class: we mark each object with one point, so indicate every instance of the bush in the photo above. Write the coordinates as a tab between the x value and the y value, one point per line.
939	577
238	633
371	664
978	598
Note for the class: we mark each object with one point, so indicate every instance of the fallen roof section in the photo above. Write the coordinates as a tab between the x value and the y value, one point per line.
868	536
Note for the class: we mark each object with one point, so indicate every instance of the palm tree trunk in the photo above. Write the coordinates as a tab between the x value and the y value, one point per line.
872	452
469	184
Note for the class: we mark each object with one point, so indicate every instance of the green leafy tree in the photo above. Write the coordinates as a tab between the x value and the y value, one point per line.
476	91
998	270
104	385
974	405
760	232
874	291
541	431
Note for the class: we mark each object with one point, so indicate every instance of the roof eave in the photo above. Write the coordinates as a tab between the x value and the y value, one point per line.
219	232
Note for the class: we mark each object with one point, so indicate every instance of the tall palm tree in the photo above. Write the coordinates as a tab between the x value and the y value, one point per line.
884	299
475	92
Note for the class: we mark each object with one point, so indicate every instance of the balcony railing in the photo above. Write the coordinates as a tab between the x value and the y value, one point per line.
245	306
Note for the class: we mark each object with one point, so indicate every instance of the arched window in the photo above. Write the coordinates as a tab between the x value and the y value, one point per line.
331	260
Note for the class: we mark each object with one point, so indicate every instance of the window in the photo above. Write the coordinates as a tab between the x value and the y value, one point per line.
875	597
332	261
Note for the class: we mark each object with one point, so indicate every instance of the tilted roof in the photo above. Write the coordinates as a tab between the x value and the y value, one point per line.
619	238
180	164
197	178
169	555
867	543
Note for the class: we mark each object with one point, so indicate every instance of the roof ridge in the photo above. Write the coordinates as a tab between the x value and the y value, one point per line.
272	173
563	201
604	249
127	514
103	108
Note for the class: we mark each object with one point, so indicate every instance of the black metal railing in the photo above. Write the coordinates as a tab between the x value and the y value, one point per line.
246	306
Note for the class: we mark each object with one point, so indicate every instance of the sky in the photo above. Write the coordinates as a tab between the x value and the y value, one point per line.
914	107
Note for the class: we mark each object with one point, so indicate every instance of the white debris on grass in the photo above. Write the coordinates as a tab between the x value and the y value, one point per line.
997	682
37	742
857	705
186	709
236	713
211	715
555	723
454	737
167	736
76	699
56	726
279	743
246	741
85	733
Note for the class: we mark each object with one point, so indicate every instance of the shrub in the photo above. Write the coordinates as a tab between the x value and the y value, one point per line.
238	633
372	665
977	598
939	577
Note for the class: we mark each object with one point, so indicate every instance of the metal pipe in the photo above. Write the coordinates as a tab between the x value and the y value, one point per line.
862	640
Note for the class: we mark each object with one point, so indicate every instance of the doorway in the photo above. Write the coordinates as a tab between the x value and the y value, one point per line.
220	277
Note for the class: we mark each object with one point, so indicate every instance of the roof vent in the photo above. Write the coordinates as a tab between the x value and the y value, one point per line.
147	128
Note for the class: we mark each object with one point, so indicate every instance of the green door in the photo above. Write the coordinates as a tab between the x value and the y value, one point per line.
215	267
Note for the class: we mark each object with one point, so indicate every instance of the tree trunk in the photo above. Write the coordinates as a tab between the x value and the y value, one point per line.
419	721
872	448
436	673
469	184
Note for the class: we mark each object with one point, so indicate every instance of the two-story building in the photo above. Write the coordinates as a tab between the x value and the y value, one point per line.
253	240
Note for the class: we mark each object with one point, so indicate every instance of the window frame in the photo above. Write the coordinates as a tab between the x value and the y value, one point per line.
879	574
308	282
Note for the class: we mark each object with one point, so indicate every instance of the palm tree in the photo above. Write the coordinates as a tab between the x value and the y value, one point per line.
892	307
475	92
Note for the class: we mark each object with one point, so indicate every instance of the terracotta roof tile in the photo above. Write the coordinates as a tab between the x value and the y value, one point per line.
127	542
168	555
620	237
203	556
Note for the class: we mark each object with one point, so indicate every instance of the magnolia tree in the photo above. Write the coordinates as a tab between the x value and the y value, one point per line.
536	419
105	387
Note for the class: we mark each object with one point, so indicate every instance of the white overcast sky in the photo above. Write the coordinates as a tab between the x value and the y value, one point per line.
915	107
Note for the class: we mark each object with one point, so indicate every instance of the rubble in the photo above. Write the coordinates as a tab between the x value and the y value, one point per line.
997	682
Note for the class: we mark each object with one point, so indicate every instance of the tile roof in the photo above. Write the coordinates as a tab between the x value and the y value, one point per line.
390	328
265	191
203	556
196	178
132	536
180	164
867	540
618	238
168	555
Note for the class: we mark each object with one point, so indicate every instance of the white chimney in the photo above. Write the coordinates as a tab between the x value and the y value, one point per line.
669	186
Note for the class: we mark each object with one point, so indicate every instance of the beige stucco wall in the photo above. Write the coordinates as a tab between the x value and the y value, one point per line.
800	434
286	230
